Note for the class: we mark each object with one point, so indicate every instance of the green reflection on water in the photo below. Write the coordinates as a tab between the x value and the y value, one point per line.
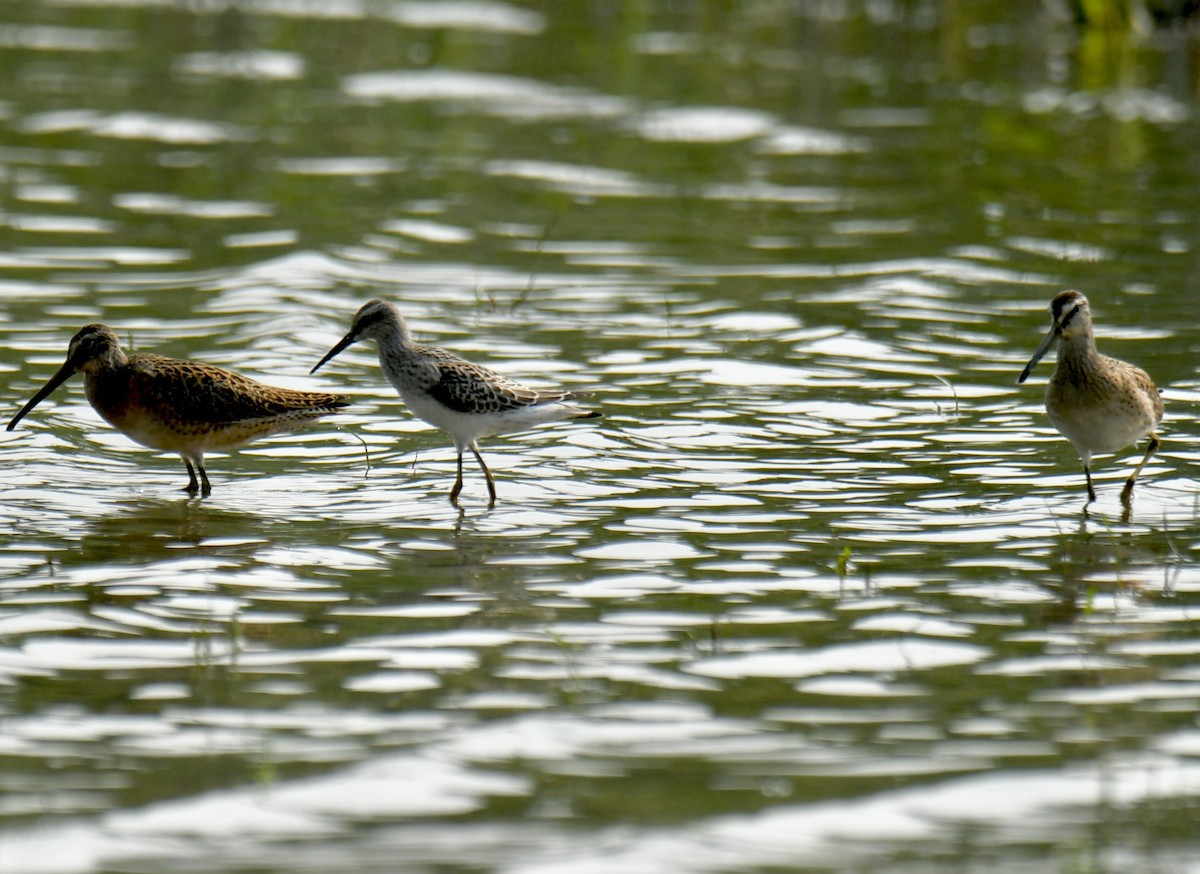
801	250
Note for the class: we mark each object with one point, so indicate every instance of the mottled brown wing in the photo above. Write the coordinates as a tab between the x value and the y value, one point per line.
1140	378
201	393
1154	393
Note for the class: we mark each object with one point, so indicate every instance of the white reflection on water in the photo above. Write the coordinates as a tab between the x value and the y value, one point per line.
63	39
1008	807
819	560
134	125
896	654
577	179
682	550
490	93
702	124
792	140
1003	807
242	65
165	204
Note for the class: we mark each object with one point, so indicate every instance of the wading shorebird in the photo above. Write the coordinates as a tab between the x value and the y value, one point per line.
1100	404
464	399
179	406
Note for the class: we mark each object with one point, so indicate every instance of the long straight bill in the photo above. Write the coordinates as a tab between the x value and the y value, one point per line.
1042	349
64	373
341	344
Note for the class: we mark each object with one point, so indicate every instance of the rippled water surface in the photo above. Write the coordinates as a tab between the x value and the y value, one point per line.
816	593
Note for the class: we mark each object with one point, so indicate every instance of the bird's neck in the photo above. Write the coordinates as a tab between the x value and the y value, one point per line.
394	332
106	385
1078	352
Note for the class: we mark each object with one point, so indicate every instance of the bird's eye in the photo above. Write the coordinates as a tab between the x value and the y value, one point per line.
1066	320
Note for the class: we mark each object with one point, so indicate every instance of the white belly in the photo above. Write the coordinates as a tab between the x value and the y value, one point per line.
466	428
1102	427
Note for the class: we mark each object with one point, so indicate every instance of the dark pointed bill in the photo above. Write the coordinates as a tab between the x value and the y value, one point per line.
1042	349
342	344
64	373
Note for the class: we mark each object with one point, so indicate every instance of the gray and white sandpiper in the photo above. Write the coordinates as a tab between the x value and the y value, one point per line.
466	400
1101	404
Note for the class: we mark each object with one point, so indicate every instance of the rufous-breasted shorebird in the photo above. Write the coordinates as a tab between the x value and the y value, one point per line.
1100	404
179	406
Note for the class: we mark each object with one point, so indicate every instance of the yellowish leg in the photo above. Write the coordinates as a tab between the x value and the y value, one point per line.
1127	492
491	483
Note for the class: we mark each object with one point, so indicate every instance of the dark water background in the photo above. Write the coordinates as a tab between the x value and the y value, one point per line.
816	594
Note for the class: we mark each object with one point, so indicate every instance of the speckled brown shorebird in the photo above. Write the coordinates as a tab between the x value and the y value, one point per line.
1100	404
451	393
179	406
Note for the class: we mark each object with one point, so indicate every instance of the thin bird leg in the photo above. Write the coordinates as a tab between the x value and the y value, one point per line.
1087	471
491	483
1127	492
205	488
193	485
457	482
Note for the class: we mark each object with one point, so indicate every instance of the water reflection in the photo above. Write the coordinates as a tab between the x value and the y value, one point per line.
817	589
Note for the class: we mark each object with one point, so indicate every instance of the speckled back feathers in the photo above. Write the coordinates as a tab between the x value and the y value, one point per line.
188	392
462	385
